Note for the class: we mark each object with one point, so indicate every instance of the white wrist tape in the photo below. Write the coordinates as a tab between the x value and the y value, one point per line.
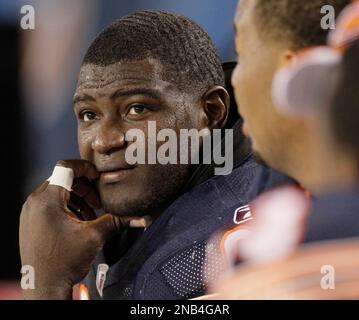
62	177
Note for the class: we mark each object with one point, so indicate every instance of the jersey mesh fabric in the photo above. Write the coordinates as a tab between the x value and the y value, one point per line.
188	274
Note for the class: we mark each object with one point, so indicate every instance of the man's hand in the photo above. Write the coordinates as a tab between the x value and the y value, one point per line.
56	242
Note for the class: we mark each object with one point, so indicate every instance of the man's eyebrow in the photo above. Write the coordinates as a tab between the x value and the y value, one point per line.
82	98
154	94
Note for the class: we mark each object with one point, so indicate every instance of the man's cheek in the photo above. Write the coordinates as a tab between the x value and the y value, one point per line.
234	78
241	95
85	146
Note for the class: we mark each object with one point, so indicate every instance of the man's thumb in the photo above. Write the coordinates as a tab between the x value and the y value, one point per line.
108	225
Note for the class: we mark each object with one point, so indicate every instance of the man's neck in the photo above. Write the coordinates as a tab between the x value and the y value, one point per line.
326	172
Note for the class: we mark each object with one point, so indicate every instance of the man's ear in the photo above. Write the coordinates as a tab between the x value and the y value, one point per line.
286	58
215	104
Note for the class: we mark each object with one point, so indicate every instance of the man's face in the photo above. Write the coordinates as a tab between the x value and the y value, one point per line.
258	58
113	99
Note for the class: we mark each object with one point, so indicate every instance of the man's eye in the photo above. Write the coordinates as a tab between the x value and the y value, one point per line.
87	116
138	110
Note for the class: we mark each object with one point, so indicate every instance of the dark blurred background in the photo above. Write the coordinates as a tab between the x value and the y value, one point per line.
38	75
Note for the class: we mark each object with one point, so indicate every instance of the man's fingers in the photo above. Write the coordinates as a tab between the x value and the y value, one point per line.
81	208
63	176
81	168
41	188
83	188
140	222
108	225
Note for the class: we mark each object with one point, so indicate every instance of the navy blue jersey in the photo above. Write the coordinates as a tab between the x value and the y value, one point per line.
334	216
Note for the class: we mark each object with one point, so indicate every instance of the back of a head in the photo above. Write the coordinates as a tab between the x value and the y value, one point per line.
296	21
344	109
184	49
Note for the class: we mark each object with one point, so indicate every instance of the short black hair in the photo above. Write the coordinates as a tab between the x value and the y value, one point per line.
298	21
345	105
184	49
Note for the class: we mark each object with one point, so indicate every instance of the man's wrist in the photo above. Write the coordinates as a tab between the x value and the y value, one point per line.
49	293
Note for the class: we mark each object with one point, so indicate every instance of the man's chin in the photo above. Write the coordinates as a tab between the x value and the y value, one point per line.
135	206
122	209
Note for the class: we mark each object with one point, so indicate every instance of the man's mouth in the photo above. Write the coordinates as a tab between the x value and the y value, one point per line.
113	174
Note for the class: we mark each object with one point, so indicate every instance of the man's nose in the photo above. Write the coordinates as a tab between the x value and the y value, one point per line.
110	138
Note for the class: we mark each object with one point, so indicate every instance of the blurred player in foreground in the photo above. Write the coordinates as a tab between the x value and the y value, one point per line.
320	85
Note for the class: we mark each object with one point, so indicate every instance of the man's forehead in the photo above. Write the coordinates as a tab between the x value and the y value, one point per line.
147	71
